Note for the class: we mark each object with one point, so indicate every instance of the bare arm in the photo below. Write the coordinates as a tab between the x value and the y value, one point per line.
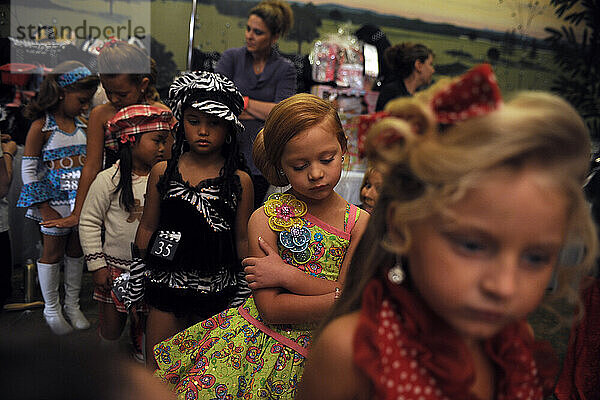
257	109
271	271
268	270
356	234
151	215
330	371
244	210
4	175
93	163
8	152
277	305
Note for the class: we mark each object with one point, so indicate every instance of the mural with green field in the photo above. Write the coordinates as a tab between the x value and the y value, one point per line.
521	62
517	66
506	33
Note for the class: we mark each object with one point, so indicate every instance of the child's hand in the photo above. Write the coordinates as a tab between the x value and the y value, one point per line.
9	146
66	222
102	279
264	272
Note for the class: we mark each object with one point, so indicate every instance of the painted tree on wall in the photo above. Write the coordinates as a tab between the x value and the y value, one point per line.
306	22
578	56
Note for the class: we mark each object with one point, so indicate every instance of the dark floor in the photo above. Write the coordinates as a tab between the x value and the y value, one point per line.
32	320
544	323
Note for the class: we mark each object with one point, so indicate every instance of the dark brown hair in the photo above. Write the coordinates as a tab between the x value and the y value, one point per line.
48	96
401	58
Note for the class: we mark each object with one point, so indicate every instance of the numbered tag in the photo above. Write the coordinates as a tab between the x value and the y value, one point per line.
70	180
165	244
120	286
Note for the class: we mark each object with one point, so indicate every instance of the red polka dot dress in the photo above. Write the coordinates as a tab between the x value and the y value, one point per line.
410	354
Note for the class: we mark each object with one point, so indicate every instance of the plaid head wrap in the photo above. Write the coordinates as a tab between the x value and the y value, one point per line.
136	119
207	92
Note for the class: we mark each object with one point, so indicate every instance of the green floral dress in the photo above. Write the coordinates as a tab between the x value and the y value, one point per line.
234	355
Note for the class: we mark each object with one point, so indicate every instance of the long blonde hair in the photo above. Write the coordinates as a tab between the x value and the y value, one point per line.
424	174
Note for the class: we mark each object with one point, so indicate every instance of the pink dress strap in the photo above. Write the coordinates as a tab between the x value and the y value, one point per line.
277	336
351	218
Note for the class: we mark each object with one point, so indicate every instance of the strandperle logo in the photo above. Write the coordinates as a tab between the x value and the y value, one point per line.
83	31
47	33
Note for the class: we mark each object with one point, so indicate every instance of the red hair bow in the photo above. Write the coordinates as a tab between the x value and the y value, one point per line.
364	123
474	93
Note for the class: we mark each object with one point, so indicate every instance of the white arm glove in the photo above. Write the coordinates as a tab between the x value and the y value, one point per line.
29	169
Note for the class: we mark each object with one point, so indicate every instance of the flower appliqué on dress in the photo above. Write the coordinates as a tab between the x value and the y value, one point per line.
285	212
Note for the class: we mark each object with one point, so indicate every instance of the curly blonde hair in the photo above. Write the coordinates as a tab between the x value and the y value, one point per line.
425	172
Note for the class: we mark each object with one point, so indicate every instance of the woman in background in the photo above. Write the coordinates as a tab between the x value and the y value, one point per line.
411	67
262	75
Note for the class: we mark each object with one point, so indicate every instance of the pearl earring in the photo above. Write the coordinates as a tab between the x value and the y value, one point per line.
396	274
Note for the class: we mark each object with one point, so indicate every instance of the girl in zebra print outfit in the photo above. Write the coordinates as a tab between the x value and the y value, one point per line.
194	228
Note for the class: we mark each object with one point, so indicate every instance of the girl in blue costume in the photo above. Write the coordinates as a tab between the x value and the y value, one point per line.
54	155
258	350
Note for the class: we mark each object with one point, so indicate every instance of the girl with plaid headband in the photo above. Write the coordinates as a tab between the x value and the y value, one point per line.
115	204
128	76
55	151
194	227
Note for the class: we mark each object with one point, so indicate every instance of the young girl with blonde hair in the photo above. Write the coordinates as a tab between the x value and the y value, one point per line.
470	226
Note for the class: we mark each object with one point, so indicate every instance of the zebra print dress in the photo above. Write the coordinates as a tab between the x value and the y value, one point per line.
192	263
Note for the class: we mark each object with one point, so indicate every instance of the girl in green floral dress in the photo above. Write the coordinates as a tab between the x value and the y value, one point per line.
258	350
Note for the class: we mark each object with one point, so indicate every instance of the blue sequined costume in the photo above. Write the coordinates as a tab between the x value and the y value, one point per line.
58	185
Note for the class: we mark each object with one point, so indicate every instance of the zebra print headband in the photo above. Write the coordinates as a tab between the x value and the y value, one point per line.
208	92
